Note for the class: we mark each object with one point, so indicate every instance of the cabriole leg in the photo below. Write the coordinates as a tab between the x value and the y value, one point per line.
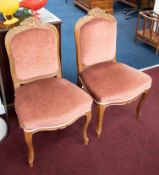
86	124
140	104
28	140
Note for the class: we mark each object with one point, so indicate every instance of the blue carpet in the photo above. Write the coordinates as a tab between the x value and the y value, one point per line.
138	55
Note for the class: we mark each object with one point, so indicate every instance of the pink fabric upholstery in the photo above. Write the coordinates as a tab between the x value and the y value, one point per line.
114	82
97	41
35	53
50	102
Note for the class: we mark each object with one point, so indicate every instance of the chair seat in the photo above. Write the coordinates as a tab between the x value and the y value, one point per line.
113	83
50	103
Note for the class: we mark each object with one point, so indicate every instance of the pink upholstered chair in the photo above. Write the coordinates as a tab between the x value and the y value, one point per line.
43	100
108	82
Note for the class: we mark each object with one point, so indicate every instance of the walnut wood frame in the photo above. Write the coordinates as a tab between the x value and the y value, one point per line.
92	14
27	24
28	134
101	107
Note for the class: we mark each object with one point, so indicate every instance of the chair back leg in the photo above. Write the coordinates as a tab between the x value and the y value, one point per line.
100	116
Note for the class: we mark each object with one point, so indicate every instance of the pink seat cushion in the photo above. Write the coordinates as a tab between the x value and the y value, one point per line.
114	82
49	103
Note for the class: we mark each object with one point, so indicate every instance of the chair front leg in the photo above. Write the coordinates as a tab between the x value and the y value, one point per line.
28	140
140	104
86	124
100	116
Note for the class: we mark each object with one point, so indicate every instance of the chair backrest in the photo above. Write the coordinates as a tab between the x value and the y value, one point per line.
95	36
33	51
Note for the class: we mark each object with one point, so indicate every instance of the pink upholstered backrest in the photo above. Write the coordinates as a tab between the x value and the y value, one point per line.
35	53
96	39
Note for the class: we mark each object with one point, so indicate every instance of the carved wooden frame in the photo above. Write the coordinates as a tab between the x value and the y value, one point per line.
92	14
31	23
28	135
27	24
101	107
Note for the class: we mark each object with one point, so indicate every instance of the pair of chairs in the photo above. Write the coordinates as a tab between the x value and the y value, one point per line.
45	101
